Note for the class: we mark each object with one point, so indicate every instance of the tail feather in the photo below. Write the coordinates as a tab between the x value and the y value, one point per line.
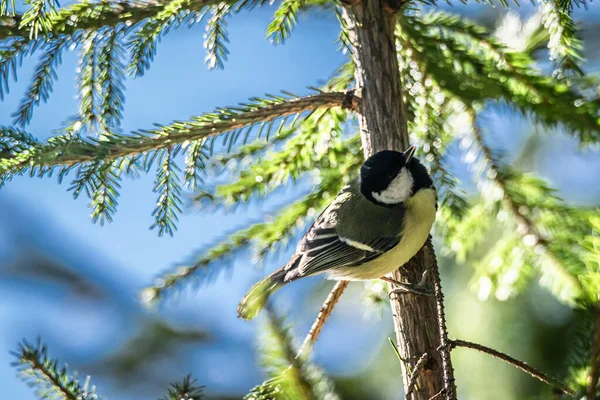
258	295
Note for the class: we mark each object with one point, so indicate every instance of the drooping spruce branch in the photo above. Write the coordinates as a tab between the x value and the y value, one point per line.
12	53
467	59
44	374
216	36
513	361
145	37
37	17
564	45
284	20
186	389
43	80
92	15
291	377
502	177
64	151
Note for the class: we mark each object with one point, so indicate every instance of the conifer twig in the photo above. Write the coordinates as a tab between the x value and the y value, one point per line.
445	344
536	373
89	15
420	365
520	218
165	136
324	313
594	362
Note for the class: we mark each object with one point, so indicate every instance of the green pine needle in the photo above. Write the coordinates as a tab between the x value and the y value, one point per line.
565	46
472	66
38	16
284	20
142	44
111	76
43	373
43	80
291	377
216	37
186	389
12	52
168	187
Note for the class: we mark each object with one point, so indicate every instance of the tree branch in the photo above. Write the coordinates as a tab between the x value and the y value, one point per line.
94	15
204	126
425	358
517	363
594	361
449	386
324	313
513	207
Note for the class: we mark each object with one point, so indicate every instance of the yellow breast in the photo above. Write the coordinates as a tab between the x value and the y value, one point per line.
418	220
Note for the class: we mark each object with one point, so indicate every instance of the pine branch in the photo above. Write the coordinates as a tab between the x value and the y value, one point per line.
291	377
111	76
103	201
65	151
87	84
254	149
299	155
168	187
216	37
195	161
474	68
284	20
534	372
564	45
37	17
142	44
12	52
100	182
186	389
43	373
6	8
43	80
527	227
91	15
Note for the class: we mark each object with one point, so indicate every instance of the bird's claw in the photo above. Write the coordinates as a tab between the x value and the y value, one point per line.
418	289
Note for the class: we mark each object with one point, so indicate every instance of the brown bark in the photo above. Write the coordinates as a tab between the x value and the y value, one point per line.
383	125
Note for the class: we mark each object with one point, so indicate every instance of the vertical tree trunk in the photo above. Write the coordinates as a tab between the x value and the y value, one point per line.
383	124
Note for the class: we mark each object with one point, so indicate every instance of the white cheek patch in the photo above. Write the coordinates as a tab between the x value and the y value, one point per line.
399	189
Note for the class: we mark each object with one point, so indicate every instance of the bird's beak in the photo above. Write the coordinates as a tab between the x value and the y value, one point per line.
408	154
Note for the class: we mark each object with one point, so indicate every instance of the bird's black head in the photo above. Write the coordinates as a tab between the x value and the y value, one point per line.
389	178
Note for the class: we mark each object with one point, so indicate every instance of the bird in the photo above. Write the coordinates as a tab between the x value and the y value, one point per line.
375	224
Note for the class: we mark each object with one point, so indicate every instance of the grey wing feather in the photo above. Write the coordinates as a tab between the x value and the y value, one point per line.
322	248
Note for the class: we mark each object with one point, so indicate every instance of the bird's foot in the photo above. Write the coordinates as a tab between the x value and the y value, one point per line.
403	288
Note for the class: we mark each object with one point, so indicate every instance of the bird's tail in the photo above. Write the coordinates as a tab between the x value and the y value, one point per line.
257	296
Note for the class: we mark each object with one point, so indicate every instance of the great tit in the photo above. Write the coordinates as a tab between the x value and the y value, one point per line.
378	222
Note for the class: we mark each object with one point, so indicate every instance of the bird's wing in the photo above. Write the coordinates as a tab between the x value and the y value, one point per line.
323	247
